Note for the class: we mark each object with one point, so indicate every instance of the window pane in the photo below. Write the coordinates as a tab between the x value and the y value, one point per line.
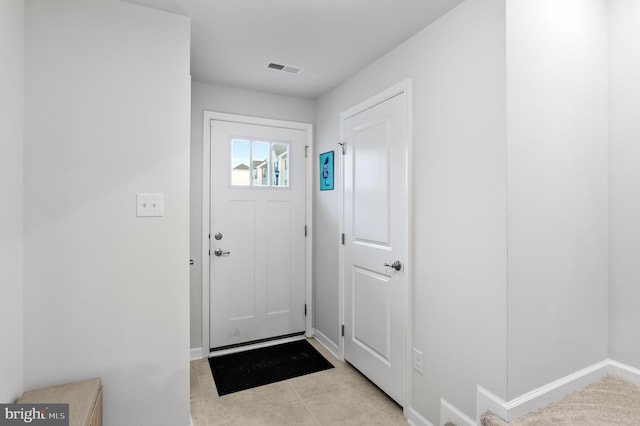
240	159
280	164
260	161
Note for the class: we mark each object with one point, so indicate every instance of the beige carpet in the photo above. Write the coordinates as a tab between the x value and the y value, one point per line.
609	402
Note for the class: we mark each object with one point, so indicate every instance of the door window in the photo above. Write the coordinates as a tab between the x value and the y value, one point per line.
280	161
240	160
259	163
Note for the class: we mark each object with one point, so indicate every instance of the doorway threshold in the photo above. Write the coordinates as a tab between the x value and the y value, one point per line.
255	344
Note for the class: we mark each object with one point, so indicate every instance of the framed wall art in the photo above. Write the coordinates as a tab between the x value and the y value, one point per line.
326	171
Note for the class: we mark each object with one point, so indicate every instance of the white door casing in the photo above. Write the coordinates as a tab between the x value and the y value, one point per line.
257	289
376	225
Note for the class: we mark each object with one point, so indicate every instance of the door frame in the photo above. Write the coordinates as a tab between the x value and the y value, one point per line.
206	198
403	87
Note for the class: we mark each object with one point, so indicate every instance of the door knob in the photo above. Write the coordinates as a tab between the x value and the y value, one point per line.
395	265
219	252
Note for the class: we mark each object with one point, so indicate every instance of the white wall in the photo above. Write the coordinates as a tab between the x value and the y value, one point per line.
106	293
206	97
11	182
558	206
624	345
459	196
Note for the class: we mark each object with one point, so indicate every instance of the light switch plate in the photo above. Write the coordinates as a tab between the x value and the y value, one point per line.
149	204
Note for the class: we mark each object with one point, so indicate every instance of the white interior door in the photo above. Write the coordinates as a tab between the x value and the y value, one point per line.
376	234
257	223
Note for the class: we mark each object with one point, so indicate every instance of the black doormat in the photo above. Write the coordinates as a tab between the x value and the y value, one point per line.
258	367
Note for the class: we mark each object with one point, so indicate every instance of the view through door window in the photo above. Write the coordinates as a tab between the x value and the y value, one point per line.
259	163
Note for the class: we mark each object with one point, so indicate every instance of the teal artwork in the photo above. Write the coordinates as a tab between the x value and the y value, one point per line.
326	171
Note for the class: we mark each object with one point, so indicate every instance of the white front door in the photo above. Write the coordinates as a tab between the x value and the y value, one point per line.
257	242
376	235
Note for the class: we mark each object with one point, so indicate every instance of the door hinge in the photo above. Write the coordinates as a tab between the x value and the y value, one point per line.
209	252
342	238
343	145
209	236
305	309
342	330
305	230
306	151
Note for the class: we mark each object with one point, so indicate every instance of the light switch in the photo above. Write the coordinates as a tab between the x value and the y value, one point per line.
150	204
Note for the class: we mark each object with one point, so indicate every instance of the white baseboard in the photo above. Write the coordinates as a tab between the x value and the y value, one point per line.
488	401
538	398
541	396
416	419
327	343
624	371
196	353
450	413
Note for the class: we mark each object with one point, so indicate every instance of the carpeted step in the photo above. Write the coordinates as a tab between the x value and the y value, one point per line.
610	401
490	419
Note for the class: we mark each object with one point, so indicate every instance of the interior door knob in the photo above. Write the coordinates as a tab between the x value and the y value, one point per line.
219	252
395	265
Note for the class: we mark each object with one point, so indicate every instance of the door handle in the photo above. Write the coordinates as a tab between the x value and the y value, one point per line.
219	252
395	265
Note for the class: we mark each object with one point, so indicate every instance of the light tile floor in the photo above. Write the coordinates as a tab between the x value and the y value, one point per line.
339	396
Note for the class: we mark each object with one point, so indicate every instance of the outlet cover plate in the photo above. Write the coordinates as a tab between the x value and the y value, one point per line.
149	204
418	361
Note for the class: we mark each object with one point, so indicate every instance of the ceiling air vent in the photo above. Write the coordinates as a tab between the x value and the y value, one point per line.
284	68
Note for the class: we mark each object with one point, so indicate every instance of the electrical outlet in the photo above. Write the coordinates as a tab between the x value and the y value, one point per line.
149	205
418	361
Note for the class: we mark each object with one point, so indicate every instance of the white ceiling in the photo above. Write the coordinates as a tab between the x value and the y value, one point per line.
233	40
